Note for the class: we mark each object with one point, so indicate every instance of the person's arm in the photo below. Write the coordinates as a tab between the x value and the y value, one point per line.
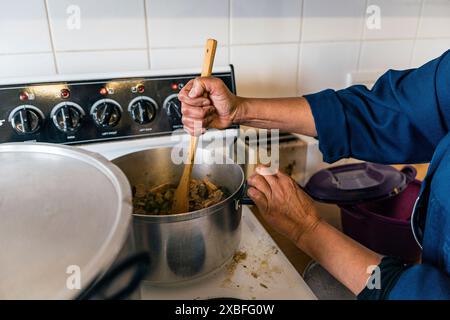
347	260
400	120
292	213
285	114
222	109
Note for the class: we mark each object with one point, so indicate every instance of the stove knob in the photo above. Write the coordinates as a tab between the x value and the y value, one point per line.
106	113
67	116
26	119
143	109
172	106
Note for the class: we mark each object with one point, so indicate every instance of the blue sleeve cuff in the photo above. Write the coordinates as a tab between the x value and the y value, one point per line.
391	269
331	125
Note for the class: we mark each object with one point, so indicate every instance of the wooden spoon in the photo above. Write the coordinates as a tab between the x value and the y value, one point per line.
181	196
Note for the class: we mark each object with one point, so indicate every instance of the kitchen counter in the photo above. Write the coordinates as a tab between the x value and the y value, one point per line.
258	270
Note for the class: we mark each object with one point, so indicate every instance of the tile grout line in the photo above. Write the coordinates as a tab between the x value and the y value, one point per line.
147	35
25	53
361	40
419	24
55	61
269	43
103	50
300	47
222	46
229	31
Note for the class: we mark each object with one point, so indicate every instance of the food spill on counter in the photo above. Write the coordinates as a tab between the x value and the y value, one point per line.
231	267
237	258
259	268
158	200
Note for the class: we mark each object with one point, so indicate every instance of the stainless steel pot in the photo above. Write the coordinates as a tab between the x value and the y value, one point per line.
188	245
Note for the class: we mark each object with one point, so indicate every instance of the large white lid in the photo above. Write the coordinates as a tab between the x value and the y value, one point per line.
59	206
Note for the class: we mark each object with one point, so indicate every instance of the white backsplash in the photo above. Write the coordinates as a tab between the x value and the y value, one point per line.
278	48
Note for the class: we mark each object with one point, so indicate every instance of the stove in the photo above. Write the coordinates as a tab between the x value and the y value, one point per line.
116	114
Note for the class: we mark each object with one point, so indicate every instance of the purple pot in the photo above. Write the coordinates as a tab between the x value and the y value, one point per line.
376	203
384	226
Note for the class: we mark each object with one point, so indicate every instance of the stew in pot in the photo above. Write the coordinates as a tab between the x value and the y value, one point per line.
158	200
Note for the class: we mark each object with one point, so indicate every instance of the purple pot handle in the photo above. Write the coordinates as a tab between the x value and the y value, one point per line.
410	172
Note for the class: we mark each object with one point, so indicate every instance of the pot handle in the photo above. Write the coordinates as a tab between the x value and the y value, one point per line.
244	199
140	261
247	201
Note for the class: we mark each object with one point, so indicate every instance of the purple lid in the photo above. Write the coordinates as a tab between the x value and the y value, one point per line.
360	182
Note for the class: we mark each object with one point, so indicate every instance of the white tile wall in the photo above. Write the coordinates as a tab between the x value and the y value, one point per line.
18	65
326	65
435	20
265	21
102	61
23	27
325	20
399	19
279	48
381	55
428	49
179	58
266	70
104	24
178	23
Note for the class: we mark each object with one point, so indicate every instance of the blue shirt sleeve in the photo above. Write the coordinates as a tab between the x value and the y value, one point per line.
421	282
400	120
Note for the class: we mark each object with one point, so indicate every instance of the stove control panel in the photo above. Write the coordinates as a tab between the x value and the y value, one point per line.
84	111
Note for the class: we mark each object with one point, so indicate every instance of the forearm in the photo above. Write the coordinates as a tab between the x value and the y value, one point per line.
340	255
286	114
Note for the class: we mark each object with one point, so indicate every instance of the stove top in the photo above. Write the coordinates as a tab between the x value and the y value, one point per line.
258	270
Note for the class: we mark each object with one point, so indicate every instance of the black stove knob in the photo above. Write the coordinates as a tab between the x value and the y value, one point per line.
143	109
172	106
26	119
106	113
67	116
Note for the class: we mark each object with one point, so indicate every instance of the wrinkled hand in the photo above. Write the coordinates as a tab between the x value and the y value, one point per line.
218	110
282	203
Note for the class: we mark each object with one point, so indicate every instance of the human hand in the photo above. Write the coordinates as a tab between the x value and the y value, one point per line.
282	203
218	110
